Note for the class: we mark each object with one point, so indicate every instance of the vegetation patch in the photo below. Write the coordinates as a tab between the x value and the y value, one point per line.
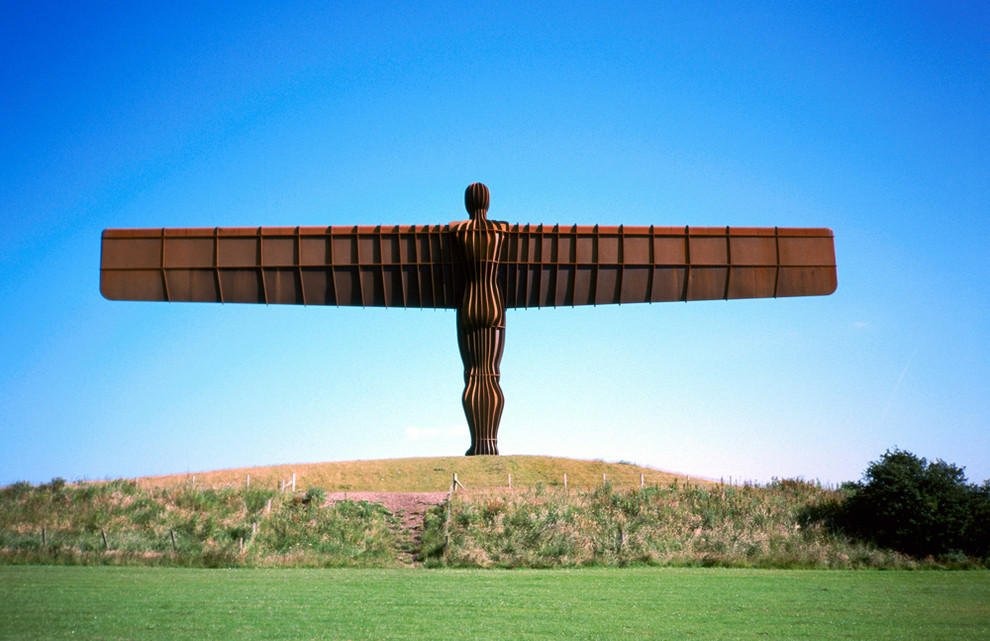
679	525
906	513
119	523
906	503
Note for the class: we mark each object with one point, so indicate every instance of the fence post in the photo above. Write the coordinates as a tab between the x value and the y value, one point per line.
640	480
293	481
247	484
510	480
44	540
446	525
565	480
106	544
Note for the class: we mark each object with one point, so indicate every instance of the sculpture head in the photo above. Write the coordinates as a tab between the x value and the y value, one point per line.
476	199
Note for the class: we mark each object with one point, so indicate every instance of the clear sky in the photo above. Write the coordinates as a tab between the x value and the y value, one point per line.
872	119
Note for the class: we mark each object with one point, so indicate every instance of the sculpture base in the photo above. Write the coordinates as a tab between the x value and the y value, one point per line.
485	447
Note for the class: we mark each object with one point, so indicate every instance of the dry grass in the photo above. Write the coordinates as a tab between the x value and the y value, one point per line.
429	474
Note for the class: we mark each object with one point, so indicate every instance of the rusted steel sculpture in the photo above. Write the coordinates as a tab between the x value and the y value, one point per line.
477	246
478	267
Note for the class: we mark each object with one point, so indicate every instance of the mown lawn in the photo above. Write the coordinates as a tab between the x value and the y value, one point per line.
49	602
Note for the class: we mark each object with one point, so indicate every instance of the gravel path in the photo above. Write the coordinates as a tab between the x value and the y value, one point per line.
411	509
412	505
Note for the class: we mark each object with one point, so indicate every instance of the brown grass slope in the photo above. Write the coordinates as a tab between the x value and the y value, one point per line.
429	474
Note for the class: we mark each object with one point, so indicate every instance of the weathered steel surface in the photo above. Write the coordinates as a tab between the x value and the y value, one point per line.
478	267
414	266
477	245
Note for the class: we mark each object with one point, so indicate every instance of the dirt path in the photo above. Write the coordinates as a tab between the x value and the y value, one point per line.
411	509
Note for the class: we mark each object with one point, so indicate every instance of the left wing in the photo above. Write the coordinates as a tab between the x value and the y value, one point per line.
373	266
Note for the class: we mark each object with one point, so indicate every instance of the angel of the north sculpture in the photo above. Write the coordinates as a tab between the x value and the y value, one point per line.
479	267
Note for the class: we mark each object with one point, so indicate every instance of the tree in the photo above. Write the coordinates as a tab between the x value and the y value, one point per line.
919	508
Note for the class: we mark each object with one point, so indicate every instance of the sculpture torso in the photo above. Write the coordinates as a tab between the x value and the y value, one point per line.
479	243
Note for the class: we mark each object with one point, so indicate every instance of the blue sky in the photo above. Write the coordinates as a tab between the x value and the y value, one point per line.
869	118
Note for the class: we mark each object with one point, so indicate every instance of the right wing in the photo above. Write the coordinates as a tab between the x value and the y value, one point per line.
594	265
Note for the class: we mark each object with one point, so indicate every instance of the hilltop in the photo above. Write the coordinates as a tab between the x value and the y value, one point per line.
429	474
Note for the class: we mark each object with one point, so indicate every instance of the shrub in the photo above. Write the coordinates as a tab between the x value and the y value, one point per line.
919	508
316	495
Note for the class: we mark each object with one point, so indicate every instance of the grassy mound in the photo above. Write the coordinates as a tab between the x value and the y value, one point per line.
607	515
428	474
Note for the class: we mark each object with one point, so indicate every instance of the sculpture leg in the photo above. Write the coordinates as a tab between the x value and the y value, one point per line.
481	351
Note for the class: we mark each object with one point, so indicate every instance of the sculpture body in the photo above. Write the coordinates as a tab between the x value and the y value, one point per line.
478	267
480	319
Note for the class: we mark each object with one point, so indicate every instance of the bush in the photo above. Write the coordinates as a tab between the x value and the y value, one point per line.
315	496
919	508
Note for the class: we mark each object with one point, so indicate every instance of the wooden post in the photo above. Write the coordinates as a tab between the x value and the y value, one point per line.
106	544
247	484
446	525
510	480
44	540
640	480
565	480
268	508
293	481
171	533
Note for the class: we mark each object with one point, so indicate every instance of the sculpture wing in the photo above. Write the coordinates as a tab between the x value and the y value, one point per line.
593	265
413	265
382	266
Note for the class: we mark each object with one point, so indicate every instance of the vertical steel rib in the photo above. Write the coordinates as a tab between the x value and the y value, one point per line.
776	246
216	263
687	262
332	266
596	264
381	265
574	265
261	264
620	257
299	269
653	265
728	263
360	271
168	298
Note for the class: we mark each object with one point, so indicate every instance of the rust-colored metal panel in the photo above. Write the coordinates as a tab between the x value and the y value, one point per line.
600	265
412	266
399	266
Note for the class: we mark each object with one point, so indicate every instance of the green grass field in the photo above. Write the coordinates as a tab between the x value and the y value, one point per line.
45	602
